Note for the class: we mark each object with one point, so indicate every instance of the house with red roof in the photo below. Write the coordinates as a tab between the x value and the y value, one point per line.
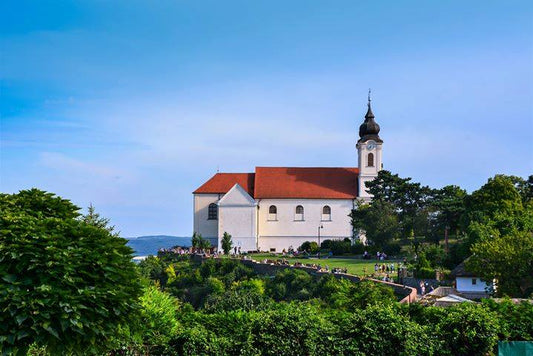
275	208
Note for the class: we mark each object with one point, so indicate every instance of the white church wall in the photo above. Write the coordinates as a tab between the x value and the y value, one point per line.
202	225
238	217
287	231
240	222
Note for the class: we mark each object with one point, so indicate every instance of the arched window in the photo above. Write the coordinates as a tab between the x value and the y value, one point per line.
326	213
370	160
212	212
299	216
273	213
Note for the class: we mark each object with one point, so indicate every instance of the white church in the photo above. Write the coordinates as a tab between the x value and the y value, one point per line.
274	208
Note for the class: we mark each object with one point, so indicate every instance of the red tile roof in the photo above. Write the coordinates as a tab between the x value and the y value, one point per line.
305	183
288	182
221	183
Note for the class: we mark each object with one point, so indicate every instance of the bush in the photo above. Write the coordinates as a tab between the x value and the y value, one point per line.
325	245
158	319
66	284
309	246
358	248
290	284
154	268
392	249
425	273
468	329
339	247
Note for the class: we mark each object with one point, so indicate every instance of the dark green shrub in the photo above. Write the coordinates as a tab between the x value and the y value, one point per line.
339	247
66	284
358	248
468	329
392	249
425	273
309	246
325	245
290	284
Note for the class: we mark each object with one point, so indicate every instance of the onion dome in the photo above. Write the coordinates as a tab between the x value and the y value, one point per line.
369	129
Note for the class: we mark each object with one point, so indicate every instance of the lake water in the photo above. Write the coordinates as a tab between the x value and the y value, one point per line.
148	245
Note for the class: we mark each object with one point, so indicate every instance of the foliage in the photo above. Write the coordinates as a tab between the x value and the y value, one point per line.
309	246
339	247
199	242
226	243
95	219
154	268
66	284
508	259
516	320
158	317
379	220
449	203
290	284
407	198
468	329
499	205
346	295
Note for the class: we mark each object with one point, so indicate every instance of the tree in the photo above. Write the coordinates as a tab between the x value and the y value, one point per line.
407	198
226	243
94	219
199	242
195	241
378	220
449	204
65	284
508	259
499	204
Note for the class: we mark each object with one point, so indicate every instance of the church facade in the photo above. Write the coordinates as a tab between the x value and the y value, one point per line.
275	208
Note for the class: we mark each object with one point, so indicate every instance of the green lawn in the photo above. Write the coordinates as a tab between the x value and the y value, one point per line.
355	266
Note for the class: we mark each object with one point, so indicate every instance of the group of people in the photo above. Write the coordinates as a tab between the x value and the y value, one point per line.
384	267
178	250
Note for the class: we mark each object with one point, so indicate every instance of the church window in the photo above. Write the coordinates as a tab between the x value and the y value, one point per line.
370	160
299	216
273	213
326	213
212	212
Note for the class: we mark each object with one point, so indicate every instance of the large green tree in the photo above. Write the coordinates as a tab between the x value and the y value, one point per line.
506	258
378	220
449	205
66	284
409	199
499	204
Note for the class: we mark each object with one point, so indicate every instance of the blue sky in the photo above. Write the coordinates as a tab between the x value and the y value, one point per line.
131	105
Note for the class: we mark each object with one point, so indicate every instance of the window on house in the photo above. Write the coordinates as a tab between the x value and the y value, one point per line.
273	213
299	216
212	212
474	281
370	160
326	213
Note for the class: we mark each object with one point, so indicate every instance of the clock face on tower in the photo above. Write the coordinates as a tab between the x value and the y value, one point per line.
370	145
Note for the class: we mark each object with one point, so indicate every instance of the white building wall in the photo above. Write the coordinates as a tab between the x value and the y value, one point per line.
240	222
207	228
285	231
238	217
368	173
464	284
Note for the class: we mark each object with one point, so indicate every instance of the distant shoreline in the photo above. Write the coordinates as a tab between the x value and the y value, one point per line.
149	245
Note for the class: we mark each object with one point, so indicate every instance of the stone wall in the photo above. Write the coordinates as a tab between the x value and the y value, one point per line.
407	294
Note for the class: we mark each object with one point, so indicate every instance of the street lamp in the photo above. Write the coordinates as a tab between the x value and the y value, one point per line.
319	227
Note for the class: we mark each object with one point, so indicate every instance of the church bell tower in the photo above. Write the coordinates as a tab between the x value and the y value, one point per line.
369	149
